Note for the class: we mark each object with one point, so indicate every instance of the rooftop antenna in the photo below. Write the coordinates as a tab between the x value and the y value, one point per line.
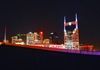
76	17
64	23
5	35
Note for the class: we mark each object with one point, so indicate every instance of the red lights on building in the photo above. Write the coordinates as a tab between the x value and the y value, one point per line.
41	33
41	36
87	47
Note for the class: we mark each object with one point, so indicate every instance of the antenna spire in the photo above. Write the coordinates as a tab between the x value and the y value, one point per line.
76	21
5	35
64	18
76	17
64	23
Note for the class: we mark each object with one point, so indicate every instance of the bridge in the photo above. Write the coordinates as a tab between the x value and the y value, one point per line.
54	48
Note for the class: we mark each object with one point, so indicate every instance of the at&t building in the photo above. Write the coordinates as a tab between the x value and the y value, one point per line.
71	34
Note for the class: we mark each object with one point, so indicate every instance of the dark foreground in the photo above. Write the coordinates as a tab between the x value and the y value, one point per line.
23	58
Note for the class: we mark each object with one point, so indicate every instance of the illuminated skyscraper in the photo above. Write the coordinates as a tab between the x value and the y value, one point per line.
36	38
32	38
29	38
41	37
71	34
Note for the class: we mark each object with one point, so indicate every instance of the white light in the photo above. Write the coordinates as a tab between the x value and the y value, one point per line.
74	31
21	43
30	32
52	33
69	23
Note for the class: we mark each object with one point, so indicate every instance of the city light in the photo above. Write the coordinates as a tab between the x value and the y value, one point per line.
71	38
41	32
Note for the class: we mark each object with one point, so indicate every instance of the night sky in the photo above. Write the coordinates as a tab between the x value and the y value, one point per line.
47	15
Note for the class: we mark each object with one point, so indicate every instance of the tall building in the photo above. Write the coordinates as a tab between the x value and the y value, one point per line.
29	38
41	37
71	34
32	38
36	38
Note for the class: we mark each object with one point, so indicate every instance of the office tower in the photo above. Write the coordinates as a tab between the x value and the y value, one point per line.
29	38
71	34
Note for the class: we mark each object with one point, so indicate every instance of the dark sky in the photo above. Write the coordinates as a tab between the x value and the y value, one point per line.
47	15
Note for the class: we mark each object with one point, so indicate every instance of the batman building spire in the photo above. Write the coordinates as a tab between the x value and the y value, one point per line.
64	23
76	17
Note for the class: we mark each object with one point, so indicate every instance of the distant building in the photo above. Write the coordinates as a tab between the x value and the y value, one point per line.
20	42
71	34
46	41
36	38
41	37
29	38
16	40
33	38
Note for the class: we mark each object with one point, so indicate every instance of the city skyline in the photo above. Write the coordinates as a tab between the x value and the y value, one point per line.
47	16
